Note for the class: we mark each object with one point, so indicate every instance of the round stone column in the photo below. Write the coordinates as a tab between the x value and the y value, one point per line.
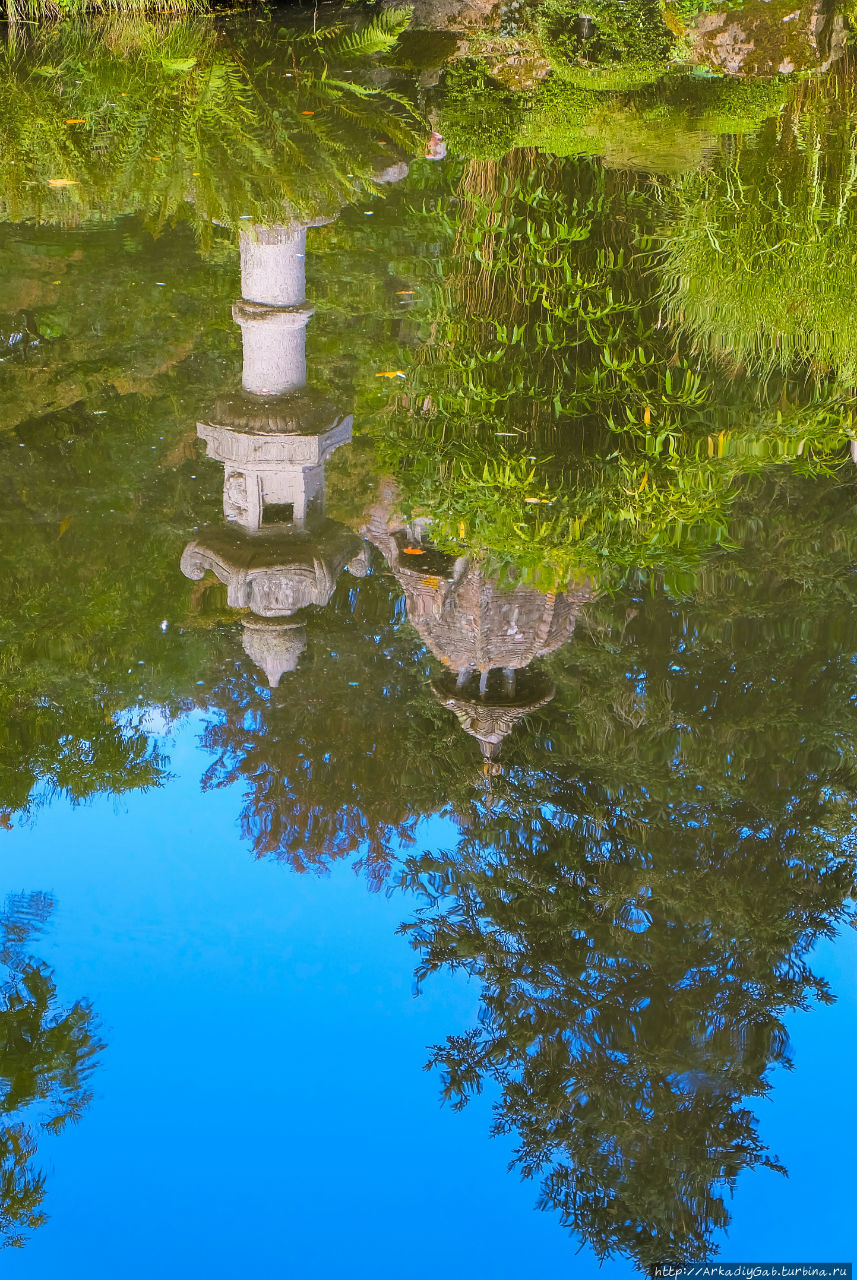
274	343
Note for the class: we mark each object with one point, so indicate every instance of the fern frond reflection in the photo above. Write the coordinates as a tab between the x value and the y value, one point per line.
179	120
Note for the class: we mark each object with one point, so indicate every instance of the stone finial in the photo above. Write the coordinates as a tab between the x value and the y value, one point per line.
486	634
490	716
274	646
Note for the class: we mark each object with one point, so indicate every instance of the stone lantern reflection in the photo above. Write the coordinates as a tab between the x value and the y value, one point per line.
276	553
484	633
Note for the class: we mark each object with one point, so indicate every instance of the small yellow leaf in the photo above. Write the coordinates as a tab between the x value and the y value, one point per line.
647	415
63	182
643	482
461	528
76	120
64	525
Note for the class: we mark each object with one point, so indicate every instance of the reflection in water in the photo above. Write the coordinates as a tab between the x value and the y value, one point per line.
639	892
281	555
639	904
485	634
639	889
47	1053
195	120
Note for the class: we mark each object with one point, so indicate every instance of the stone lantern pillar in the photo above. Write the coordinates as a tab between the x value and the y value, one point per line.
273	312
276	552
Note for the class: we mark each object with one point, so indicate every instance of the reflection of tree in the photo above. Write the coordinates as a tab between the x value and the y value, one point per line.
166	120
759	258
641	898
353	751
550	420
180	119
47	1053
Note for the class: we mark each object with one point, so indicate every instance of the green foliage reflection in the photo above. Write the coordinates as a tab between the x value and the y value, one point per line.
550	420
47	1054
760	249
179	119
640	898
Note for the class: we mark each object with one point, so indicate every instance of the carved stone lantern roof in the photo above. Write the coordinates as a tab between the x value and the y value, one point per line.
300	412
469	620
484	632
492	718
275	573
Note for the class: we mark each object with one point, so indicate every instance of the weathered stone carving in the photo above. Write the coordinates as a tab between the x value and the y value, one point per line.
277	555
272	468
485	634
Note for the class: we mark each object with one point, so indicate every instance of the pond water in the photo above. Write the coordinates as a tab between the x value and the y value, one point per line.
428	637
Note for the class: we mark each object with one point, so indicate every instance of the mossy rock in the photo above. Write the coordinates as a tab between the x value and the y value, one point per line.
606	45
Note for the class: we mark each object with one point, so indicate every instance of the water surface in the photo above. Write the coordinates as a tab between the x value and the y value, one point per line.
428	532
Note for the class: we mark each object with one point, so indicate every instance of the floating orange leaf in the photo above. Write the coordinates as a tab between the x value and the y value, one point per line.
307	113
76	120
391	373
413	551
